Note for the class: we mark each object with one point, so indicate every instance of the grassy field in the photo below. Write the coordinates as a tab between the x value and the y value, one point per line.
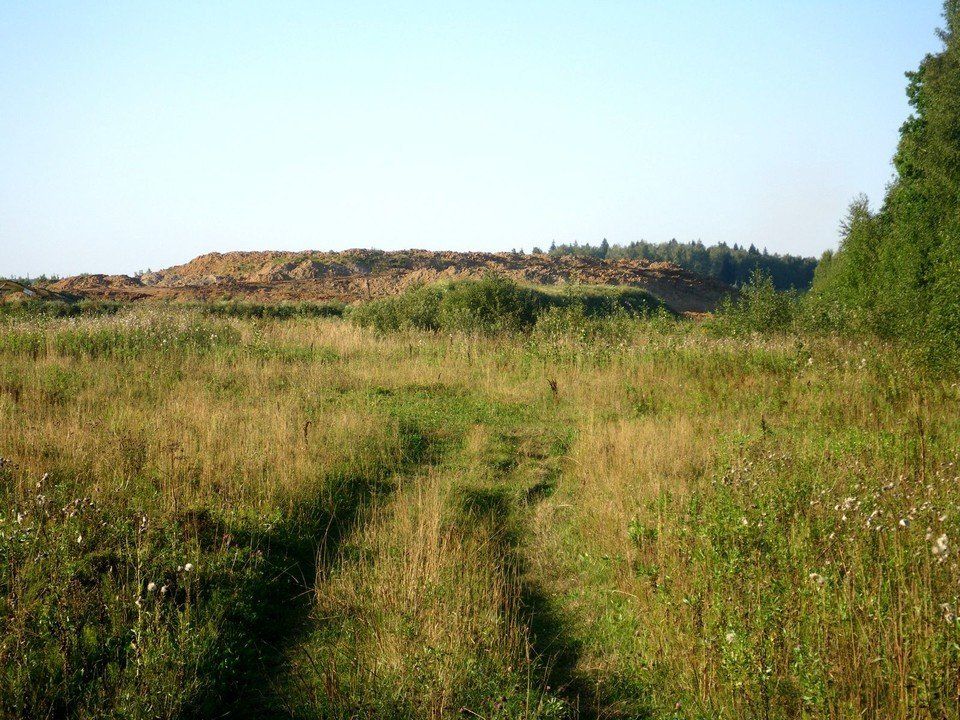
295	516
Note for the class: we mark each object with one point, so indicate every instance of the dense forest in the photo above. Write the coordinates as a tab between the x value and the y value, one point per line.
897	271
733	265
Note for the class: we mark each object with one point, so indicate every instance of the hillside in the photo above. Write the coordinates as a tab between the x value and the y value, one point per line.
11	290
361	274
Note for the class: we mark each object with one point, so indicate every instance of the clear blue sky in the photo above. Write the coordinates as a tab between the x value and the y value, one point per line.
135	136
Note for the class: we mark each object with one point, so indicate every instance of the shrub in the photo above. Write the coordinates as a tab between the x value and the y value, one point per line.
127	336
574	323
759	308
497	304
57	308
488	305
276	311
417	308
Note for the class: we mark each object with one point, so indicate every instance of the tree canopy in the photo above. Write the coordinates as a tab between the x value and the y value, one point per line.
897	271
732	265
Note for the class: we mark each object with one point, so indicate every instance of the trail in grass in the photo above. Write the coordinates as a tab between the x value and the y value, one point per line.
523	471
515	480
422	601
425	612
295	559
428	418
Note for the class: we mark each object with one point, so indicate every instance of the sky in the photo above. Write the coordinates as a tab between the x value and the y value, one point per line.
139	136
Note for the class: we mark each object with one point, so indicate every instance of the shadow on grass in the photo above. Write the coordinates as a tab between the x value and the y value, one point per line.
274	614
557	650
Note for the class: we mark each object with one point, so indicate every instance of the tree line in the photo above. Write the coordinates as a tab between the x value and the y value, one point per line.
897	270
732	265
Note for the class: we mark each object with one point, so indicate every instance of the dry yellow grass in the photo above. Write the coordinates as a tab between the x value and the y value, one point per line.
687	526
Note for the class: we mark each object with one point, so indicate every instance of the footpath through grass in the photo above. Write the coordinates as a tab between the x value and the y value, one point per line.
216	515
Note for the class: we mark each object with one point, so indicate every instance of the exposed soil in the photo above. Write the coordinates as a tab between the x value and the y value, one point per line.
14	291
272	276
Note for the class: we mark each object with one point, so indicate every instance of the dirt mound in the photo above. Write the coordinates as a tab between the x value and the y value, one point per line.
361	274
11	291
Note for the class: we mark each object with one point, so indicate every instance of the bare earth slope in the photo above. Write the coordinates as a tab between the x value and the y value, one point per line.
14	291
361	274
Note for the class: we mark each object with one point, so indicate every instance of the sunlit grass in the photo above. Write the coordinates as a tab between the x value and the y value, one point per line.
637	518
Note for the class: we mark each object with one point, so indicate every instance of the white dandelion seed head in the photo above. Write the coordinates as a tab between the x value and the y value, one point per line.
941	548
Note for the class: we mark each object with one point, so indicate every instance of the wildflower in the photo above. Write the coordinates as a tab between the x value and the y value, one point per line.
904	522
730	636
940	548
949	616
151	587
79	539
188	567
744	522
164	589
817	579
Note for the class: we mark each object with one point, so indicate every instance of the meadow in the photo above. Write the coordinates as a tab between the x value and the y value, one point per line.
617	514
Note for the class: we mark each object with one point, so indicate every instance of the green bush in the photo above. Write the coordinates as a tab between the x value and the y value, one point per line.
575	323
275	311
128	337
760	307
489	305
57	308
417	308
229	308
496	304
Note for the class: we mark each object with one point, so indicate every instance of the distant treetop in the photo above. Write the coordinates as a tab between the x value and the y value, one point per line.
733	266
